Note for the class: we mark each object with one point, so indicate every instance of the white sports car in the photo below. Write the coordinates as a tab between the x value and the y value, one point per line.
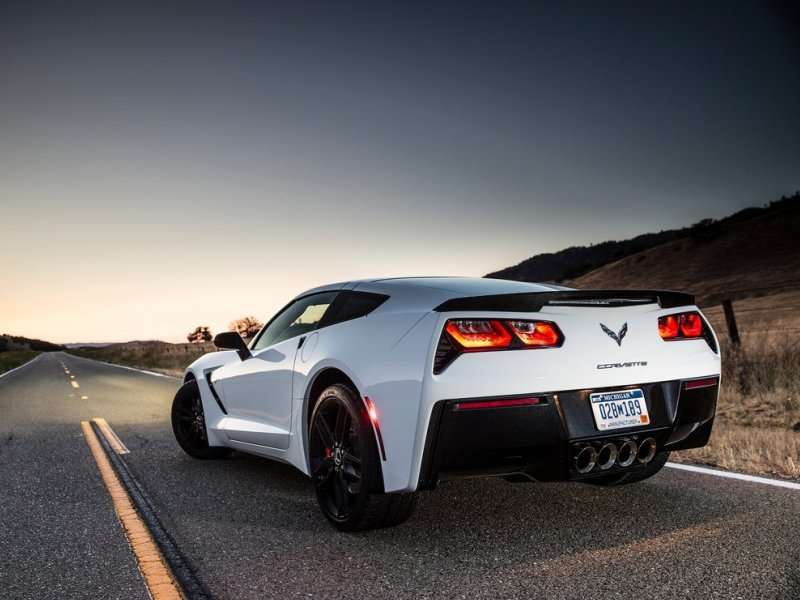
379	388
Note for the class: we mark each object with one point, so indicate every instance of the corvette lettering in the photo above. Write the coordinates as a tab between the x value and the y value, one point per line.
622	365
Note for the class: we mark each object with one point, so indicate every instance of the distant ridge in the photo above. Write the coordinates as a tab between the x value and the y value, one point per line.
89	344
753	248
735	259
17	342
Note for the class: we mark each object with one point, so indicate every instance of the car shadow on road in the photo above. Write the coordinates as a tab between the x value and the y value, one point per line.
560	517
466	536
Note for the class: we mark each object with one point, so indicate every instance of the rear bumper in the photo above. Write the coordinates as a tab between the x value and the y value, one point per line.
541	441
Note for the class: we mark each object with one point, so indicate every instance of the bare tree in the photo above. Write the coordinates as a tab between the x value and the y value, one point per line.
247	327
201	334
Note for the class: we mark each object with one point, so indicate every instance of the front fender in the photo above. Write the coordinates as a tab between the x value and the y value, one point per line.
200	370
212	360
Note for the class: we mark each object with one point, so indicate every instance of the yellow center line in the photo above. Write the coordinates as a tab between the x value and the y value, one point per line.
75	384
111	437
157	575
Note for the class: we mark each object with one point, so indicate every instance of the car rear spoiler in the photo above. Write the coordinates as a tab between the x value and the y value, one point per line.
534	301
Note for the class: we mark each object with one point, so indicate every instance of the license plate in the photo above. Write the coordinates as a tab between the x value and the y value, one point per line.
615	410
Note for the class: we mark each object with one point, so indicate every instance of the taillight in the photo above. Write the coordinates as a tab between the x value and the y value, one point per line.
668	327
691	325
541	334
681	326
478	334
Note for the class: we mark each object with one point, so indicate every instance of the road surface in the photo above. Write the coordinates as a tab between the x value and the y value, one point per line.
250	528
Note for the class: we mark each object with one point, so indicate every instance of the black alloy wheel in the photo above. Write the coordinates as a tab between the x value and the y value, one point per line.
189	424
336	463
345	467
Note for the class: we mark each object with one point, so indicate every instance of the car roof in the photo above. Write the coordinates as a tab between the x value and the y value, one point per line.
439	287
469	285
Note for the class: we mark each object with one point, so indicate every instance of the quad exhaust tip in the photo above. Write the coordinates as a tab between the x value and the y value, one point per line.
627	453
585	460
647	451
606	456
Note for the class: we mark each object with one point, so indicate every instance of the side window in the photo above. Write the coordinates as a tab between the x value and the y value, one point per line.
296	319
352	305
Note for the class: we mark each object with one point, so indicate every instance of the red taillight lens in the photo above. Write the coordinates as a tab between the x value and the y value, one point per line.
668	327
478	334
691	325
541	334
475	335
681	326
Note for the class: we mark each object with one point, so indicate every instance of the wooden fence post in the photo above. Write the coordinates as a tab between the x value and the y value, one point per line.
730	321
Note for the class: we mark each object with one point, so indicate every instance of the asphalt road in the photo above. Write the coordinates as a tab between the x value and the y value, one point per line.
250	528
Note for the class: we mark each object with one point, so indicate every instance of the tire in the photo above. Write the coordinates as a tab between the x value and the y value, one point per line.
345	466
653	467
189	424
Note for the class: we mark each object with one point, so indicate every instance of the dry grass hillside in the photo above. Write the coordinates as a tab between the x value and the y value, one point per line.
163	357
757	428
18	343
737	260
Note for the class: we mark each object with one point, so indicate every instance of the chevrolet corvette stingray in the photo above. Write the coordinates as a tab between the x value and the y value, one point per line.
377	389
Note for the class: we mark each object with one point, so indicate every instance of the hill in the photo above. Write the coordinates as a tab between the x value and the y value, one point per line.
753	253
16	350
17	342
572	264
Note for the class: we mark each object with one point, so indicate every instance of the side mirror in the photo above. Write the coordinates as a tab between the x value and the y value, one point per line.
230	340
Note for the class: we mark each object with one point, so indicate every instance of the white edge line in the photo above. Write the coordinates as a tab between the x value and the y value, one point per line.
22	365
153	373
732	475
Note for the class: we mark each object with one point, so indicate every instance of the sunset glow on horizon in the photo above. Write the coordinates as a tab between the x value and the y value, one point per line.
164	169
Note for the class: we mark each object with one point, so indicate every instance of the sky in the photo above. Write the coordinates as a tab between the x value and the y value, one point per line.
167	165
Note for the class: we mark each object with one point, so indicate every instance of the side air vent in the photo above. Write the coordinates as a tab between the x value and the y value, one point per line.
207	373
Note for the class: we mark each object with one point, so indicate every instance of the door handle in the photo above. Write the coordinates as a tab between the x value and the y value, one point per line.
300	342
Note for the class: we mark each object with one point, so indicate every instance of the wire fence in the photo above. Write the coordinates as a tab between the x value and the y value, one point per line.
755	309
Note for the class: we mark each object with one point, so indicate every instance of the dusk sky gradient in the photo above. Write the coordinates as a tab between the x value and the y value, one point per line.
167	165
